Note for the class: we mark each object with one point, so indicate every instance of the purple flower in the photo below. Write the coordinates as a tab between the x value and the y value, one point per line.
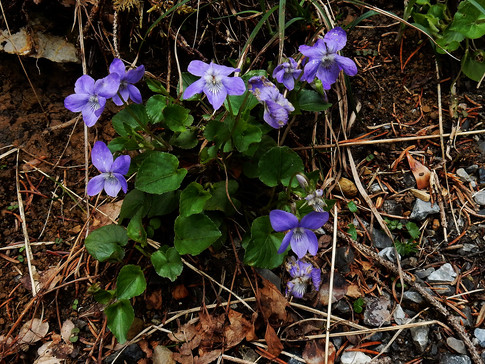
315	200
286	73
111	177
301	239
302	273
90	96
127	79
324	62
214	82
276	106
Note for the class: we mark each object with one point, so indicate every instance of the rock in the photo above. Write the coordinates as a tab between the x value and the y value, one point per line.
480	335
392	207
444	290
468	249
444	274
481	175
409	180
380	239
464	176
131	354
354	357
455	359
348	187
377	311
400	316
162	355
413	297
420	337
389	253
481	147
421	194
472	169
422	209
424	273
376	187
456	345
479	197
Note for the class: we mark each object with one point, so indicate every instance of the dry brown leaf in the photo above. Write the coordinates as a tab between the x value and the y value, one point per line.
275	346
353	291
420	172
338	292
480	317
273	303
154	300
33	331
106	214
66	331
314	352
162	355
208	357
238	329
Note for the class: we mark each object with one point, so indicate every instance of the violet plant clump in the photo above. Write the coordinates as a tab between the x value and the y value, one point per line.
112	178
127	78
302	274
276	107
90	96
324	62
300	236
214	82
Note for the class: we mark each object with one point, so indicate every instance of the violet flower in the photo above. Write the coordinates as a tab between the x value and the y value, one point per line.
324	62
112	173
316	201
214	82
127	79
276	106
90	96
301	239
302	273
287	73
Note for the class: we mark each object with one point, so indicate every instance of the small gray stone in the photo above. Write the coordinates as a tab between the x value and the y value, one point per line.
413	297
377	311
354	357
444	289
444	274
422	209
380	239
480	335
463	175
376	187
456	345
420	337
455	359
424	273
479	197
472	169
400	316
481	175
392	207
468	249
389	253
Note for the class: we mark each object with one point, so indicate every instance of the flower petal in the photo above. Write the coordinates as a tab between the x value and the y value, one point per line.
298	288
198	68
117	66
285	242
346	64
107	87
300	243
89	116
121	164
276	115
312	242
196	88
112	186
76	102
317	51
84	85
135	94
316	275
282	220
216	99
314	220
310	70
101	157
117	99
95	185
223	70
99	106
288	81
135	75
328	75
335	39
234	85
122	181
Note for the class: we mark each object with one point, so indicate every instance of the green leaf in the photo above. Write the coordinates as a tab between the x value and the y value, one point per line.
120	316
352	231
469	20
219	200
262	248
130	283
106	243
413	230
352	206
310	100
123	143
102	296
186	139
246	134
158	173
177	117
359	305
217	132
156	86
155	106
125	122
279	165
193	199
163	204
135	229
167	262
133	201
474	66
194	234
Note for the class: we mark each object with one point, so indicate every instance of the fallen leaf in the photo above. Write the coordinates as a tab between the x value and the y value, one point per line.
208	357
273	303
353	291
154	300
66	331
106	214
338	292
275	346
420	172
33	331
238	329
314	352
162	355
